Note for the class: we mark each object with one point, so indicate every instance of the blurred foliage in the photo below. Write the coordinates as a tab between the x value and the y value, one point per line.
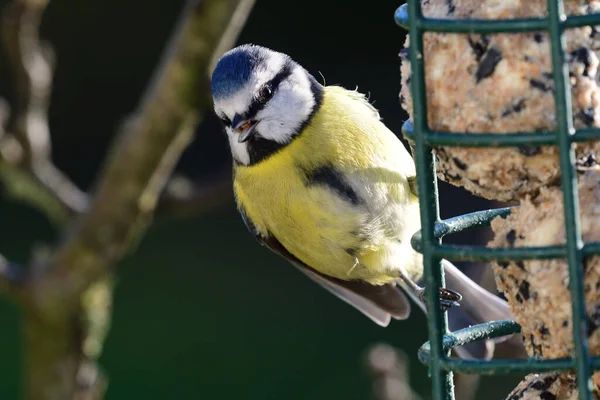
201	310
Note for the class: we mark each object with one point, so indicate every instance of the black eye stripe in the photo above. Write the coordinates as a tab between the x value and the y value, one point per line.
224	120
260	149
260	102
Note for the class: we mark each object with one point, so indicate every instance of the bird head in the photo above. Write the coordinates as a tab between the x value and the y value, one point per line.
263	98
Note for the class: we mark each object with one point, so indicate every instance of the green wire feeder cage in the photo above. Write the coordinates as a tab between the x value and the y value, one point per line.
435	353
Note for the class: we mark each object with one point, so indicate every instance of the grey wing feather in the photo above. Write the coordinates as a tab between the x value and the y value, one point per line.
380	303
381	316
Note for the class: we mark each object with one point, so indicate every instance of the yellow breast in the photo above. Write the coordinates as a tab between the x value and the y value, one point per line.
354	224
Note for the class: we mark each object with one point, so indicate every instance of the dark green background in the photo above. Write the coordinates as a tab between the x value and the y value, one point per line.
201	310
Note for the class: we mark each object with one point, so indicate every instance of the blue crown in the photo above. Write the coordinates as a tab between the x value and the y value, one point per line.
234	69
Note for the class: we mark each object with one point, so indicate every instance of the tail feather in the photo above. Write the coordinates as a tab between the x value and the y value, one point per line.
457	319
479	350
478	306
478	303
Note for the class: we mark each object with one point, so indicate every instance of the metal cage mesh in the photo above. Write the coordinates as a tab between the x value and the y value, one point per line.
436	352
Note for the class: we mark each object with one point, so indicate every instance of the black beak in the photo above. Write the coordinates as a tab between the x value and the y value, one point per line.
237	121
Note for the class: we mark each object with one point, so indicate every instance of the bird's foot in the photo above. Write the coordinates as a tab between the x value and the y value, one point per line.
448	298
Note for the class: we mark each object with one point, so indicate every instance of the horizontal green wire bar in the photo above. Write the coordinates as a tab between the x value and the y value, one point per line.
591	249
517	25
489	330
483	25
586	135
502	367
489	139
482	253
436	138
577	21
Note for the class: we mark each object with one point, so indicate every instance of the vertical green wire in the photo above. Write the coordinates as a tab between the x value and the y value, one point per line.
565	129
442	383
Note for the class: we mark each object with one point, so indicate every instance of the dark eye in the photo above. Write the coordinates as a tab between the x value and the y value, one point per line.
266	92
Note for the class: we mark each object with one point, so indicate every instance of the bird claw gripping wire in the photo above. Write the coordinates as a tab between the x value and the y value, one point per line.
448	298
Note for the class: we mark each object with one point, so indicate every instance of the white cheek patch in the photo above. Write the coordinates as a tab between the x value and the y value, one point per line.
289	108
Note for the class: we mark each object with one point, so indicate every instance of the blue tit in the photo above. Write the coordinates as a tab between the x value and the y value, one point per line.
321	181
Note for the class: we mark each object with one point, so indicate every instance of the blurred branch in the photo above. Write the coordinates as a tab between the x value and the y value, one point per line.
182	196
32	68
69	294
466	385
389	371
12	278
26	166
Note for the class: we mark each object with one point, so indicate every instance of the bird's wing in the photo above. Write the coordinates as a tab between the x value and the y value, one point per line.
379	303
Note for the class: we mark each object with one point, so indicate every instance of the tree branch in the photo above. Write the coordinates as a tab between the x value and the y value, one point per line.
26	165
146	151
182	196
58	323
37	191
